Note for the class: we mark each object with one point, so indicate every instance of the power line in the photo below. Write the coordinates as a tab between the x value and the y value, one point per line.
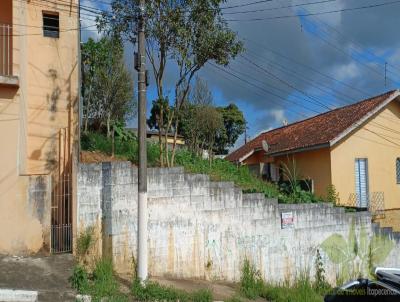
61	31
286	83
261	88
276	88
316	13
48	6
351	39
327	89
277	8
261	46
246	4
359	53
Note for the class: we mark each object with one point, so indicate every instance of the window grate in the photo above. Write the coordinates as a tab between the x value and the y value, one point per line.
398	170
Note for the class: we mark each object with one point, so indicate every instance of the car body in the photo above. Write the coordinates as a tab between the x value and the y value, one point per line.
386	288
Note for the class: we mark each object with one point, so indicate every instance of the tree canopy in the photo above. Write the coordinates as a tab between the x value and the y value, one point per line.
186	33
107	86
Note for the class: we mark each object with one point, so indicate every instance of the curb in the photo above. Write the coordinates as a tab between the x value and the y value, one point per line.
11	295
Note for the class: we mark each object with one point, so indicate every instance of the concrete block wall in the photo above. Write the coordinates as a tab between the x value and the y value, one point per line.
204	229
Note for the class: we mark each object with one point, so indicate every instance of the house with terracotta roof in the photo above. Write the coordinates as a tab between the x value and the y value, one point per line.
355	148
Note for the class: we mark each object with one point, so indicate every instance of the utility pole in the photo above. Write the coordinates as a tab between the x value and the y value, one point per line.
142	188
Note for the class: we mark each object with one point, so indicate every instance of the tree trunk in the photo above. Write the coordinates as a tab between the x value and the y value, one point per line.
166	131
108	124
174	143
160	126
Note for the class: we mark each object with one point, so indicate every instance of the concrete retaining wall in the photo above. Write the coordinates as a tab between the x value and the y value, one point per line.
204	229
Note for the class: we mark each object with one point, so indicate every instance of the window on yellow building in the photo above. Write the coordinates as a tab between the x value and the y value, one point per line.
398	170
51	24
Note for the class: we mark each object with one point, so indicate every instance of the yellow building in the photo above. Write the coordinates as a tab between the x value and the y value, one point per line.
38	123
355	148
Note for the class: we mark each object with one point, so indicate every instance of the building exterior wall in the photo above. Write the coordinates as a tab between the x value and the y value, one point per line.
256	162
379	142
38	118
204	229
314	165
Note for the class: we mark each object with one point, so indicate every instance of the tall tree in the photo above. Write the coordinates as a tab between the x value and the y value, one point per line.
188	33
107	85
234	125
201	94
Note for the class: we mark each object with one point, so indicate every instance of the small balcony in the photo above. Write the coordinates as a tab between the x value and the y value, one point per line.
6	56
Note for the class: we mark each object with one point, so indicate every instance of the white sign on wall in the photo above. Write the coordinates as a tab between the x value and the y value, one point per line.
287	220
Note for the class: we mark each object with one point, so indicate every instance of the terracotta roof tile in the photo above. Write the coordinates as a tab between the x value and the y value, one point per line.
314	131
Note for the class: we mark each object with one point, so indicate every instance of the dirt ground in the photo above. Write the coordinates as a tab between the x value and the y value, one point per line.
47	275
391	219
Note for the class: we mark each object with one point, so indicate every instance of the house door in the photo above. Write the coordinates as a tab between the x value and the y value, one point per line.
361	177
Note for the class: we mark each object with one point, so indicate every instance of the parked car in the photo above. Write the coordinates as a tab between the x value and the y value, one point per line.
386	288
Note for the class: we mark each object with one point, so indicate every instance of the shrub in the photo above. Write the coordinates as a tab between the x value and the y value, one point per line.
153	291
251	283
320	284
301	291
202	295
332	195
234	298
84	242
104	283
79	279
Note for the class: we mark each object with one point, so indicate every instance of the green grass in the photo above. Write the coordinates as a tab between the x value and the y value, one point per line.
253	286
251	283
219	170
101	283
301	291
84	241
153	291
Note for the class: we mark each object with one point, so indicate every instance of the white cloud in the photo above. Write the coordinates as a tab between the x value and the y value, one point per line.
278	115
346	71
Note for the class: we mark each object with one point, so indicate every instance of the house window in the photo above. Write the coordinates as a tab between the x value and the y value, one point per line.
398	170
51	25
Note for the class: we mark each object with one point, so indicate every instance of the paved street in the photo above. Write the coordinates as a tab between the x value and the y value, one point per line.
47	275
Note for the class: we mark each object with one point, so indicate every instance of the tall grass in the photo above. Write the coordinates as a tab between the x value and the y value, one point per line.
253	286
251	283
153	291
100	284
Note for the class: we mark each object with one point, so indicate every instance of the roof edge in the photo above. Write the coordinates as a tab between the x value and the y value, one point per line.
301	149
361	121
244	157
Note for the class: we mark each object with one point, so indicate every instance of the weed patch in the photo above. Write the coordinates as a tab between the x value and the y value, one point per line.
100	284
251	283
84	242
153	291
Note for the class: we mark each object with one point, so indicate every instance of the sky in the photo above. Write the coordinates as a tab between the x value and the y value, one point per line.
298	62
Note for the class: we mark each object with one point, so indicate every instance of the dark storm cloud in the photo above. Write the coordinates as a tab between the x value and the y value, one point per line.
351	47
317	42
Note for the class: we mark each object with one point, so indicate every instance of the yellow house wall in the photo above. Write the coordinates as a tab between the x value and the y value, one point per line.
314	164
378	141
36	118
